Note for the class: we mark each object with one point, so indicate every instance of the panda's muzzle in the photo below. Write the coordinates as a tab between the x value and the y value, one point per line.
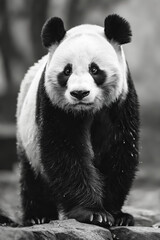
79	94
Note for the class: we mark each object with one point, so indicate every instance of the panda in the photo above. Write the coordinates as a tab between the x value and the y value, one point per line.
78	126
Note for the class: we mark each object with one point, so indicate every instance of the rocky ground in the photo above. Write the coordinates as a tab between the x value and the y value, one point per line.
145	208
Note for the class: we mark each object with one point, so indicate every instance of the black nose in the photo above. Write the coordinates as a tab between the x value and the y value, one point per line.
79	94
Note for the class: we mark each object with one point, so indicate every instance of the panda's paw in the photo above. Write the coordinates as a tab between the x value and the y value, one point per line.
96	217
123	219
104	219
36	220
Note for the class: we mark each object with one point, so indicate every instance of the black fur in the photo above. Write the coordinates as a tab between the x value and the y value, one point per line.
63	76
53	32
117	29
36	195
115	135
66	136
81	182
100	76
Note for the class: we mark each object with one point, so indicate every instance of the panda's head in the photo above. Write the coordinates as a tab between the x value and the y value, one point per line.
86	67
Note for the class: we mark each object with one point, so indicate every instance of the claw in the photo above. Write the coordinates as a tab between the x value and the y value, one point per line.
33	221
121	223
38	221
100	218
110	224
43	220
105	218
91	218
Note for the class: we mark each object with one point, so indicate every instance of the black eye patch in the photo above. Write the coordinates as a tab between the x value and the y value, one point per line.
63	76
98	75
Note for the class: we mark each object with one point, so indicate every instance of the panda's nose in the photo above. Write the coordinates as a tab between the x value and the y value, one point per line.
79	94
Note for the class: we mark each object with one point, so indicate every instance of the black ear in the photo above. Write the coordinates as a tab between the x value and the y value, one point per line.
52	32
117	29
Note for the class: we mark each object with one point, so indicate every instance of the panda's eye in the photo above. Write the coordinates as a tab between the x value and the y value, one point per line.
94	69
67	70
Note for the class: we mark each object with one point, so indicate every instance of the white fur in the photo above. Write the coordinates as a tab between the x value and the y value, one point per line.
26	82
81	46
81	82
26	123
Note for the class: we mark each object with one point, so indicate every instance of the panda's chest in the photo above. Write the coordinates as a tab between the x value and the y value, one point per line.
101	136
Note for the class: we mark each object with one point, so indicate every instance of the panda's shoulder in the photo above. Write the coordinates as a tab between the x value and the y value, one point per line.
30	74
27	80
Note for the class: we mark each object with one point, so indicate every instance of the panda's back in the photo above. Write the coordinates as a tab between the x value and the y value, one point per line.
26	82
27	132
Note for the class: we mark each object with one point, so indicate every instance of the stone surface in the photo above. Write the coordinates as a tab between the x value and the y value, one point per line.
71	229
143	217
56	230
135	233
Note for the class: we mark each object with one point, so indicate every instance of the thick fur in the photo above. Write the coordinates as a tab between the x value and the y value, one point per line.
90	161
53	32
117	29
78	162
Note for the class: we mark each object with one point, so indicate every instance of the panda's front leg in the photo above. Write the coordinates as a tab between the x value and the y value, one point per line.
38	205
67	161
76	185
117	186
78	199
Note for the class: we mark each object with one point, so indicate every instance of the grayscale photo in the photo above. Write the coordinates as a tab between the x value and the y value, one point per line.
79	119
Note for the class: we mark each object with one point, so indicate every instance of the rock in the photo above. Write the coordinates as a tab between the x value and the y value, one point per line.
73	230
56	230
9	196
143	217
156	225
135	233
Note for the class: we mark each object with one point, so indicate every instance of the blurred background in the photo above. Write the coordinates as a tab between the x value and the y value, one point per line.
20	46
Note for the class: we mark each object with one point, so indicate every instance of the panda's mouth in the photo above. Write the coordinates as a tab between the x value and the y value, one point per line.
83	104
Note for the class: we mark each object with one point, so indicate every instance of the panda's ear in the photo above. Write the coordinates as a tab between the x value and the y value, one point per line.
53	32
117	29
